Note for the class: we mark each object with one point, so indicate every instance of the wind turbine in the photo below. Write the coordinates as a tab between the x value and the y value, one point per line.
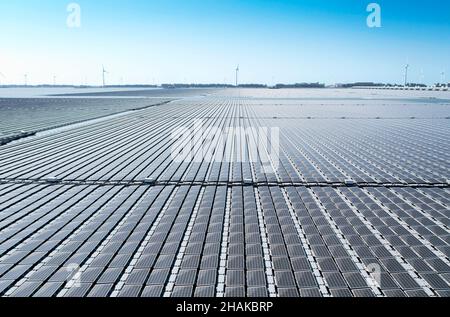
443	77
103	75
406	74
26	79
237	75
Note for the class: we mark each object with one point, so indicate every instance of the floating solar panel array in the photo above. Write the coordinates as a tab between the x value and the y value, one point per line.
147	93
346	196
22	117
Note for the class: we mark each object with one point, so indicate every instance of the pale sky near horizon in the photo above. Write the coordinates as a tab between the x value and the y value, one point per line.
202	41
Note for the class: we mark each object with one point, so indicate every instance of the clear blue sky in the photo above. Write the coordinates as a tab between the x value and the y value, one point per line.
203	41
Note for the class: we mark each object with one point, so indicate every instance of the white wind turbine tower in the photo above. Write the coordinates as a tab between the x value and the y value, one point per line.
25	77
103	75
443	78
237	75
406	74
